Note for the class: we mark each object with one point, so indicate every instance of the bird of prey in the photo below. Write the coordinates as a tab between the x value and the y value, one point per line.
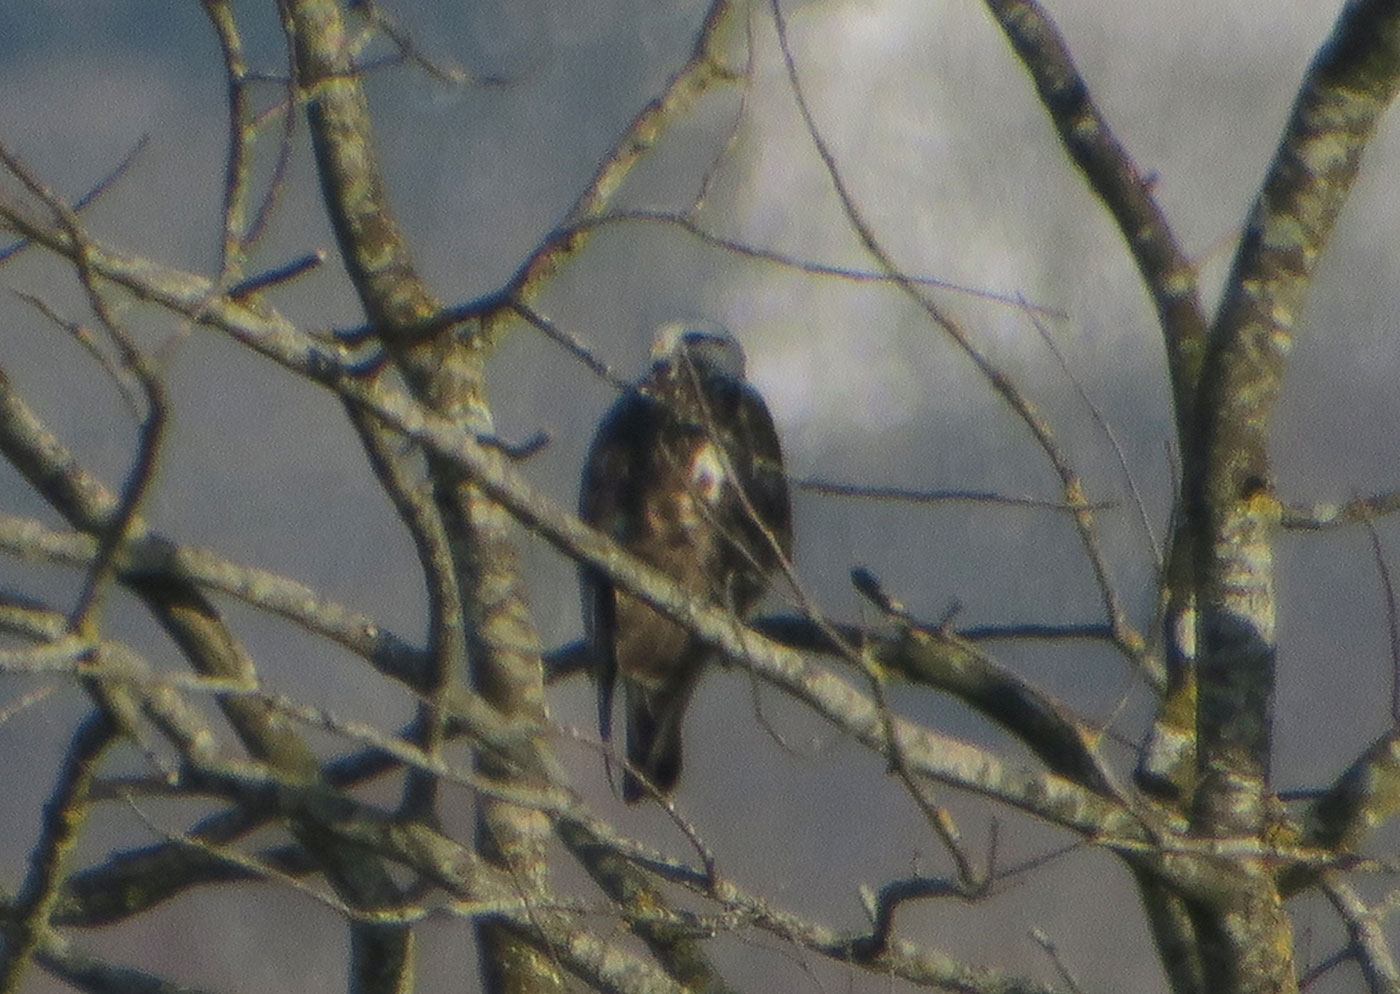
686	473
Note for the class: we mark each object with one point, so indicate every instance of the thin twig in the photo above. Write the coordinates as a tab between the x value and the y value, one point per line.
692	227
736	123
1392	617
92	196
1128	640
938	756
1106	429
1043	940
701	73
400	474
237	159
120	377
832	488
152	556
1369	945
151	432
65	815
570	344
286	107
408	52
1321	517
284	273
1169	274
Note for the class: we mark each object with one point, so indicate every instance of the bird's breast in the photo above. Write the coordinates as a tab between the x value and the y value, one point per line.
707	473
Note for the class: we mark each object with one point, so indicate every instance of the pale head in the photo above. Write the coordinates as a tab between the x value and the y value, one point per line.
708	347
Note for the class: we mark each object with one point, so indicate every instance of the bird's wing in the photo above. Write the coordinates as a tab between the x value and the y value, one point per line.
753	517
763	475
610	500
691	482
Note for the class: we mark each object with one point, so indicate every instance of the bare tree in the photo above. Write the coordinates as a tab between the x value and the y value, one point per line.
1170	780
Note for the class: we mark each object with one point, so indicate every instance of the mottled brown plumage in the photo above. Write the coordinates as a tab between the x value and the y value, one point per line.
686	473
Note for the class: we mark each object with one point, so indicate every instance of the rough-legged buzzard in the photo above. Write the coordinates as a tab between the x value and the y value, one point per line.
687	474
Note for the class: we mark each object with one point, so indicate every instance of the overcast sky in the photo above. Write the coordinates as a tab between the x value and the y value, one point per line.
950	157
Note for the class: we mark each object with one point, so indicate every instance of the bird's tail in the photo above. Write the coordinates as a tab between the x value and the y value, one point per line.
653	741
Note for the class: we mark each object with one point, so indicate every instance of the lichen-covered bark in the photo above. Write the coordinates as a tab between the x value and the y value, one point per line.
1229	484
1208	755
212	649
448	376
1168	273
1232	512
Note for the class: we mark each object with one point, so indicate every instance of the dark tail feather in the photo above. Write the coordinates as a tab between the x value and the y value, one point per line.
600	623
653	745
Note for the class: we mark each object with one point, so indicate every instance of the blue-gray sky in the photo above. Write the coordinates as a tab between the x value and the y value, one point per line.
938	132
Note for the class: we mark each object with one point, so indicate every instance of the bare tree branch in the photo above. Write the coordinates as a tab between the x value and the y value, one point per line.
64	816
1114	177
831	697
1126	638
1368	942
1228	481
1322	517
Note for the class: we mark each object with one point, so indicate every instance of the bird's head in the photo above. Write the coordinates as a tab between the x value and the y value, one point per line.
705	346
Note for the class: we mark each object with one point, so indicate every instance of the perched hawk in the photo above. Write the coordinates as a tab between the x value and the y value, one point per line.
685	473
